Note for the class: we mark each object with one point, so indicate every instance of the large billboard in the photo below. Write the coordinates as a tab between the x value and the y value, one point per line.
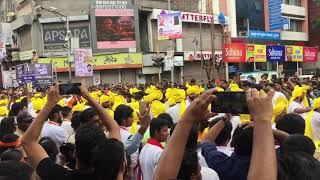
169	26
115	26
53	35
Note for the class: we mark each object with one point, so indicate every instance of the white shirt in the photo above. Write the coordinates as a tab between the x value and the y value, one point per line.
315	125
55	132
209	174
174	112
294	105
202	160
31	110
66	125
149	158
125	135
225	150
276	96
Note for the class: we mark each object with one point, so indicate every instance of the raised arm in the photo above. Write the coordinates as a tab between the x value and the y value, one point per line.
170	161
30	143
110	124
216	129
263	165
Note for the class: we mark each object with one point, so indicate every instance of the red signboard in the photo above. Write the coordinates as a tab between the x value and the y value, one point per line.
310	54
235	52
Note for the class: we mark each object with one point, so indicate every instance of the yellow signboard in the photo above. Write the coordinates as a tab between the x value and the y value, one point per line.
110	61
260	53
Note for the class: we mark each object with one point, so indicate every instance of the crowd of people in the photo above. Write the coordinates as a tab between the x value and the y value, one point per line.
162	131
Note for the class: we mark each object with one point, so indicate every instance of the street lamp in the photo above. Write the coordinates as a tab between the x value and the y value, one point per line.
65	20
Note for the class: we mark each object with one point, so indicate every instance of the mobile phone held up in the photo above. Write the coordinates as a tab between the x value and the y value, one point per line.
230	102
73	88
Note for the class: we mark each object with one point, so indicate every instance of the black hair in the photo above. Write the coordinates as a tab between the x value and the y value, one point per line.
291	124
298	143
87	114
156	124
15	170
122	112
67	150
76	121
297	166
65	111
88	136
50	147
225	133
15	109
54	111
7	126
189	165
11	155
167	117
242	141
108	159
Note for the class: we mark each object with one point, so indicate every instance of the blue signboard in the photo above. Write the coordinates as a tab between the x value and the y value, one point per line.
276	53
232	69
275	17
264	35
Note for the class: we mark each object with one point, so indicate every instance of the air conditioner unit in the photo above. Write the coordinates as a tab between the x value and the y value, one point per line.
243	33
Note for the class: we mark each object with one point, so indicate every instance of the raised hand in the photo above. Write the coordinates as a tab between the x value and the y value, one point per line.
260	105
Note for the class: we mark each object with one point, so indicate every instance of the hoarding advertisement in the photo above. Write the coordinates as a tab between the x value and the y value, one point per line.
260	53
294	53
250	52
40	74
169	26
83	62
234	52
276	53
115	29
310	54
115	25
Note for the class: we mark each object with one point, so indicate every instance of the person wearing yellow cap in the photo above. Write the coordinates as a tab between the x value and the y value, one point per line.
313	123
279	103
296	103
178	104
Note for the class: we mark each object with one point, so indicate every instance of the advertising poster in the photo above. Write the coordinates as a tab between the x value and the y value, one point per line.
40	74
96	78
250	52
310	54
294	53
83	62
235	52
169	26
115	24
276	53
260	53
43	73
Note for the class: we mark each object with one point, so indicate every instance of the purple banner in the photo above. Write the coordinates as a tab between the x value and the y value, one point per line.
276	53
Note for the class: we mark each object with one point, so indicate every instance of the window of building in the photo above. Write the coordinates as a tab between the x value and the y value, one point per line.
295	25
292	2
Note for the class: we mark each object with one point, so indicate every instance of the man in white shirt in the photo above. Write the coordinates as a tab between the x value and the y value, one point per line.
151	152
66	123
296	105
52	128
